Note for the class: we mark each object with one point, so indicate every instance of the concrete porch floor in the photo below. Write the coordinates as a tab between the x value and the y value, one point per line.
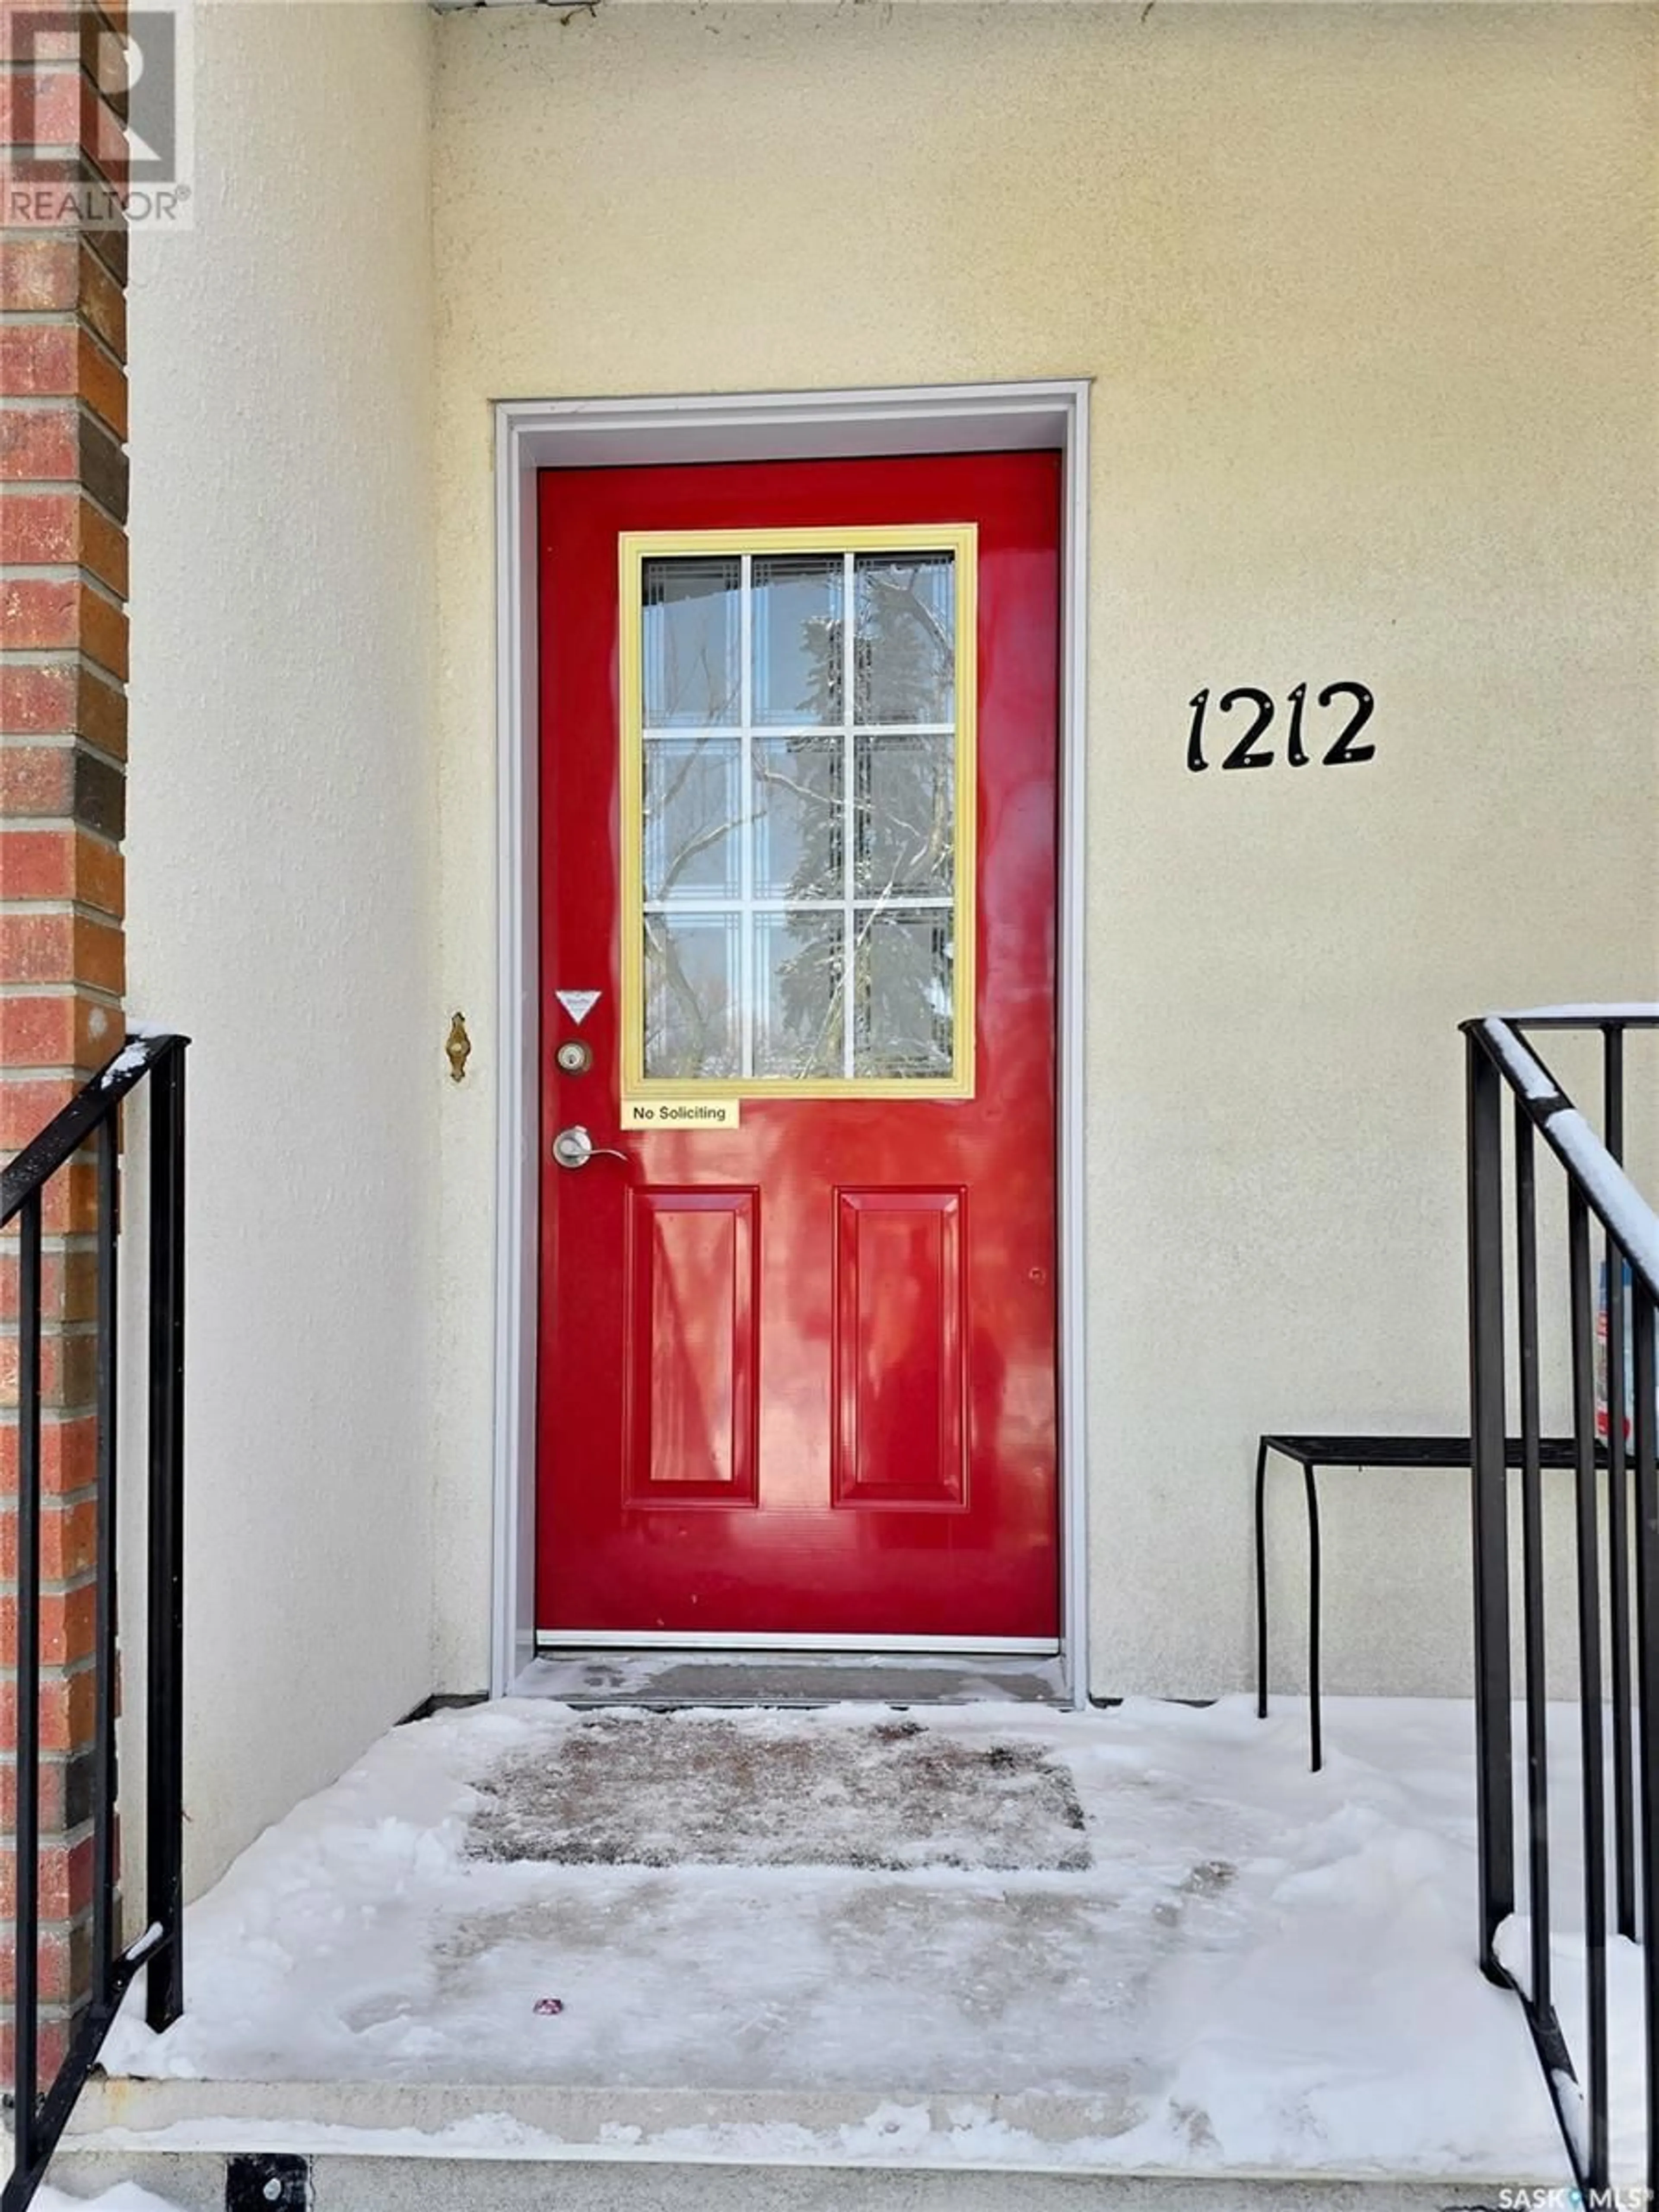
1140	1943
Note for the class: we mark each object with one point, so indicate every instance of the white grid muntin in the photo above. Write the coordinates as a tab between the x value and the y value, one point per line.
859	910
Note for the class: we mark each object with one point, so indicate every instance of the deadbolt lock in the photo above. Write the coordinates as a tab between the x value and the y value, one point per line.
574	1057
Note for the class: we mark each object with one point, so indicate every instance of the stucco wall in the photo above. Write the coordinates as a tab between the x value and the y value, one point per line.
281	879
1365	294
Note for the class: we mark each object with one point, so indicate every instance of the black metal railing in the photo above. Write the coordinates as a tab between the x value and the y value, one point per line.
1615	1511
93	1119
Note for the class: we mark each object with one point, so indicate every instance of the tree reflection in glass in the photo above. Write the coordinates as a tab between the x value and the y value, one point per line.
690	616
904	645
692	1002
843	936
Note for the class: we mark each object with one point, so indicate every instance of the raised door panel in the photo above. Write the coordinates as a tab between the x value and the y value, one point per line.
901	1433
691	1355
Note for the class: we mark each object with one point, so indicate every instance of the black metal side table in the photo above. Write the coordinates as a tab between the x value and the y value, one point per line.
1312	1453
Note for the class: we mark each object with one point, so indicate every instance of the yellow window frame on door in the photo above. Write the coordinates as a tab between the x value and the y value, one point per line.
635	549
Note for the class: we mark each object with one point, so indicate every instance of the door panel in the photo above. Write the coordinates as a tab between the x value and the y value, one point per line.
797	1365
901	1374
690	1352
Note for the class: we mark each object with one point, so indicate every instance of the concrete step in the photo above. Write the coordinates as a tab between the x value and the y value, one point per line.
376	2146
196	2181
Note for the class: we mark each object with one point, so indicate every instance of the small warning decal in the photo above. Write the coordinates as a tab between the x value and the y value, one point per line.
579	1005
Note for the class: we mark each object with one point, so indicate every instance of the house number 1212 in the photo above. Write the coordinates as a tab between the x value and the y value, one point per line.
1343	752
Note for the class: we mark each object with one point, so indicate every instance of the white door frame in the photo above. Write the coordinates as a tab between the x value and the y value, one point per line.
535	434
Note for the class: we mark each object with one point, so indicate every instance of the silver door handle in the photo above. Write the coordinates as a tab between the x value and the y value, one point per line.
573	1148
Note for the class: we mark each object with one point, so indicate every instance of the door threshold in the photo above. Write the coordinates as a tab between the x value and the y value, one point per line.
686	1676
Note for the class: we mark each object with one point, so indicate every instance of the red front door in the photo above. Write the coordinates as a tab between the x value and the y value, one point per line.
798	811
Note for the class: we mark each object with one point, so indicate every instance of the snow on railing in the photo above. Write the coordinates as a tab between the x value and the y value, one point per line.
1614	1198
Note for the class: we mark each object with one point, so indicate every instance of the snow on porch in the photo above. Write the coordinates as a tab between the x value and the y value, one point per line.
1152	1917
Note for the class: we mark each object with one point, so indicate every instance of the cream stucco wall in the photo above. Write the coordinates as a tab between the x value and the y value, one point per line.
1366	297
283	878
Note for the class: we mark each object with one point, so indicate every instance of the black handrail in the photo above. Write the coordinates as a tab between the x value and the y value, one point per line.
92	1117
1500	1061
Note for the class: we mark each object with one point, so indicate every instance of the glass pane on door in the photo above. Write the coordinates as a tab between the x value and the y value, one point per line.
801	733
692	995
905	641
690	636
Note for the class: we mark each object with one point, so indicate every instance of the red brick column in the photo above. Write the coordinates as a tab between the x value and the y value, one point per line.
63	755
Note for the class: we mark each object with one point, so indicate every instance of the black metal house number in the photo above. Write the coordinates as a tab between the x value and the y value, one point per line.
1343	752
